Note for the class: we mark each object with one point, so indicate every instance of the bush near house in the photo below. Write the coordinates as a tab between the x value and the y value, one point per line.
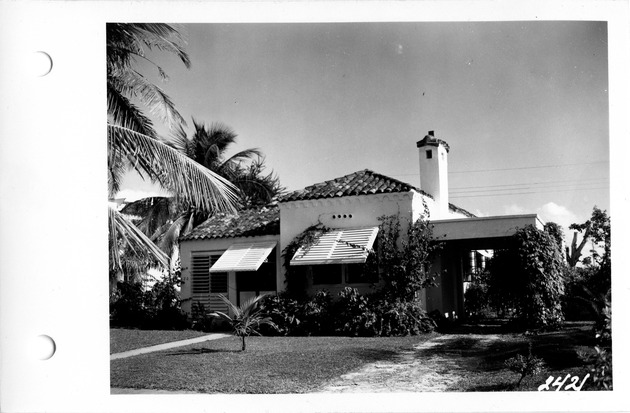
393	310
477	301
351	314
529	278
157	309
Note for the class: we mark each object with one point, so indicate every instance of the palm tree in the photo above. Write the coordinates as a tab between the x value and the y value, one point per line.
165	219
246	318
133	142
209	145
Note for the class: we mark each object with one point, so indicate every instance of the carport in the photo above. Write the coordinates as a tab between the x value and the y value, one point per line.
462	238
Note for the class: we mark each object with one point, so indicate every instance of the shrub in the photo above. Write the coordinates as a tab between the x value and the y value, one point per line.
603	321
576	301
530	278
403	263
128	307
601	369
525	365
202	321
317	316
402	318
476	300
354	314
286	313
165	307
158	308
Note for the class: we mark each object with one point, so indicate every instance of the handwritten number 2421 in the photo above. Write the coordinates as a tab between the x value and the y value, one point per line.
558	383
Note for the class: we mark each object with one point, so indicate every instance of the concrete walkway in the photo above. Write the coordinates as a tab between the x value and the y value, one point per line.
167	346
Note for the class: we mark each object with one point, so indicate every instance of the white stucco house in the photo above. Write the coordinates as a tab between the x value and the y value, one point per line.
239	255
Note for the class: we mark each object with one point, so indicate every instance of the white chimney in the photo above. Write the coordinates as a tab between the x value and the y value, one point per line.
434	172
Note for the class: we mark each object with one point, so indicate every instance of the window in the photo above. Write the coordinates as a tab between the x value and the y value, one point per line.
429	154
355	274
200	273
262	280
326	274
341	274
219	282
202	282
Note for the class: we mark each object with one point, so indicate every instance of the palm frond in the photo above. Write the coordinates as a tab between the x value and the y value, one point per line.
189	181
171	236
233	308
220	314
121	229
115	175
178	139
124	40
249	307
153	205
217	136
190	225
155	212
131	83
159	35
244	155
123	112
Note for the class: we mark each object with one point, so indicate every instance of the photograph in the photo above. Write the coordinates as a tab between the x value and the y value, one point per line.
359	207
314	206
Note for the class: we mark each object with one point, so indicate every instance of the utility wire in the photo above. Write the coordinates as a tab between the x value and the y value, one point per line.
515	169
545	183
528	167
522	188
525	193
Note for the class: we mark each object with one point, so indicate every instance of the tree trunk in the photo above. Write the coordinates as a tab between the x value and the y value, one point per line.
243	348
573	255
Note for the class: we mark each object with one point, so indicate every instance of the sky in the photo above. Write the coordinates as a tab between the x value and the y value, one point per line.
522	105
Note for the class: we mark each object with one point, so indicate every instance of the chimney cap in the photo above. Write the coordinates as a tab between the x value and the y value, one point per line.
431	140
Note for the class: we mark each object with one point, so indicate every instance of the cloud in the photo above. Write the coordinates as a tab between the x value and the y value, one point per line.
514	210
552	212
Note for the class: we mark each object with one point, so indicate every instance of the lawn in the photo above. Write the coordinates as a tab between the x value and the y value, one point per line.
270	364
304	364
121	339
484	368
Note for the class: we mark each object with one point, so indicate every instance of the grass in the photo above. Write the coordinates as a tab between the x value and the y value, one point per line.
270	364
303	364
484	368
121	339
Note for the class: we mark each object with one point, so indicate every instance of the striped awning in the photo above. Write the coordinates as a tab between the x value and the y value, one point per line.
243	257
340	246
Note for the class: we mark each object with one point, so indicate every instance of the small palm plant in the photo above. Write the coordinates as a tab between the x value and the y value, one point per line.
525	365
246	318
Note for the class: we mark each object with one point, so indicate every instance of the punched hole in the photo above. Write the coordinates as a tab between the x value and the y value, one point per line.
44	347
40	64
